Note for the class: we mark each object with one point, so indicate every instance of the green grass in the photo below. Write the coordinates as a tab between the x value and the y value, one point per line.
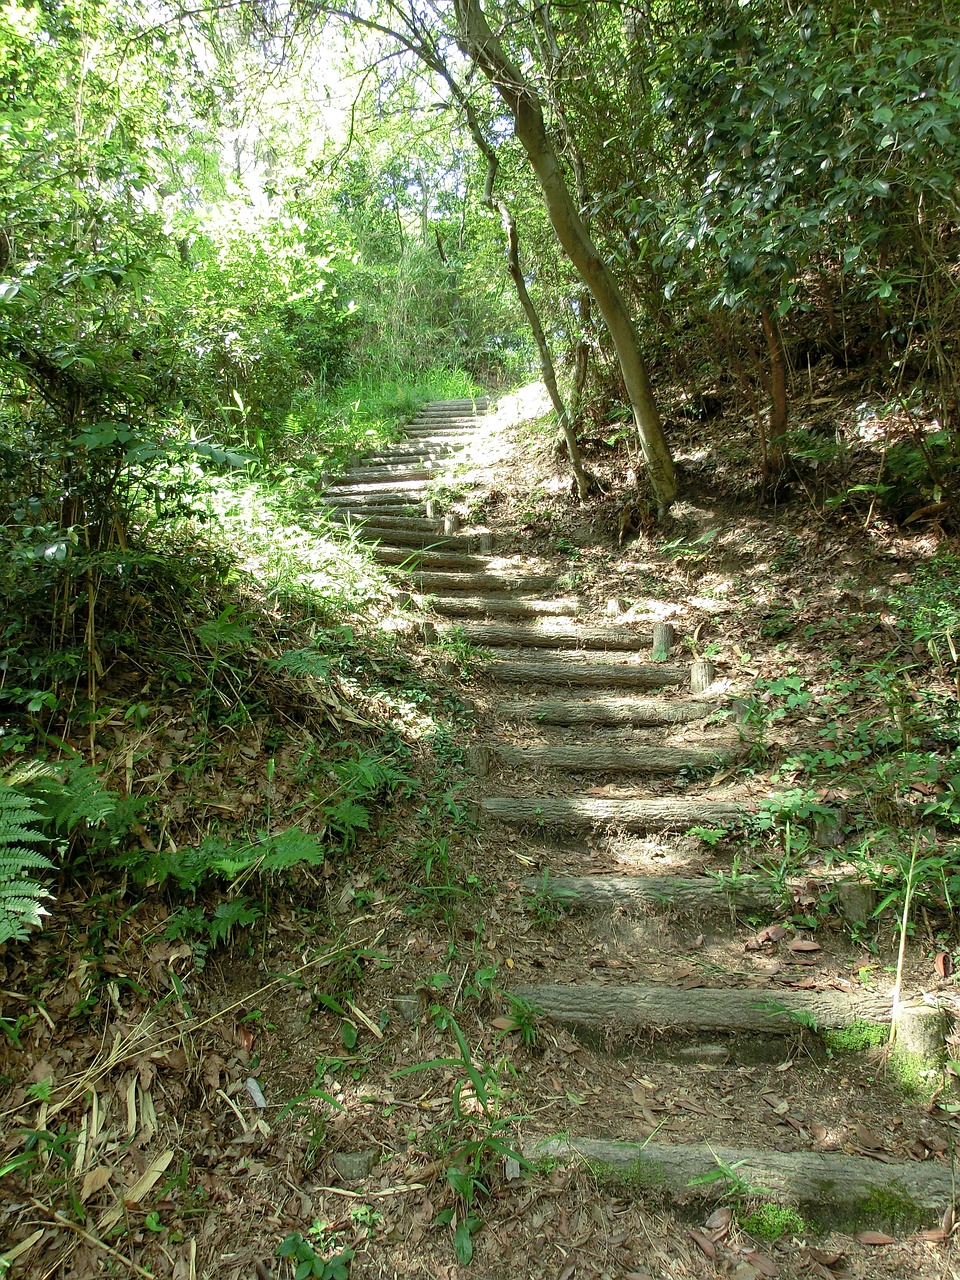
369	410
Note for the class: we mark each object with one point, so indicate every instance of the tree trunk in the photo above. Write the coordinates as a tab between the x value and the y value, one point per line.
779	409
483	48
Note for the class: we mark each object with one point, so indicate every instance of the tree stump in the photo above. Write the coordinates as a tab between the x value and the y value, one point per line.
702	675
663	639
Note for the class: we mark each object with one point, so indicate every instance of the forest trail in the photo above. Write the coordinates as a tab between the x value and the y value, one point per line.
605	761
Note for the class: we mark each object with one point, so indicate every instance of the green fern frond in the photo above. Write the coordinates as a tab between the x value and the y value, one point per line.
20	897
20	908
303	663
288	848
229	916
84	799
15	861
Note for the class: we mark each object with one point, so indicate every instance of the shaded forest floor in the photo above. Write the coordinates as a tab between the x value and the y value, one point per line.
344	1003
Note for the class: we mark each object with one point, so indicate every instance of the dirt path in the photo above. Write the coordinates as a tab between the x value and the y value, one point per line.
712	1033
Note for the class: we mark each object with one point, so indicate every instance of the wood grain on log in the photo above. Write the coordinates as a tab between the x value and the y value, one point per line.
602	710
596	811
762	1011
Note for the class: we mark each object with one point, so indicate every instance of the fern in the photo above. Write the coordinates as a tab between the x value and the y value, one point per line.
289	848
38	802
206	931
229	916
68	795
20	897
84	800
226	860
303	663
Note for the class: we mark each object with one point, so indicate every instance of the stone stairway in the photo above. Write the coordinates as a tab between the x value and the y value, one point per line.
598	729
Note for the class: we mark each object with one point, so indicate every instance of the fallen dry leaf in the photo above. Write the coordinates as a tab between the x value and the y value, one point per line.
866	1138
804	944
719	1220
826	1257
763	1265
94	1180
943	963
702	1241
874	1237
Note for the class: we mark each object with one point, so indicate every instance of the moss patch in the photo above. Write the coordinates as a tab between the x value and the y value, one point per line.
771	1221
640	1175
856	1038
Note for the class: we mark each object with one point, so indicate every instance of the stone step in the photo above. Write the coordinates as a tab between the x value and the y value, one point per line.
834	1191
597	708
529	667
853	899
500	606
431	437
607	759
579	811
452	431
556	634
471	404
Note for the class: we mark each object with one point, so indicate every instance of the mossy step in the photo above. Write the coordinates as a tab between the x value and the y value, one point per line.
407	455
579	811
832	1191
598	1008
360	503
460	429
389	471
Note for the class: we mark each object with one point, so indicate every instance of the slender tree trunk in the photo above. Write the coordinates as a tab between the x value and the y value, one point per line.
586	484
483	48
779	408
